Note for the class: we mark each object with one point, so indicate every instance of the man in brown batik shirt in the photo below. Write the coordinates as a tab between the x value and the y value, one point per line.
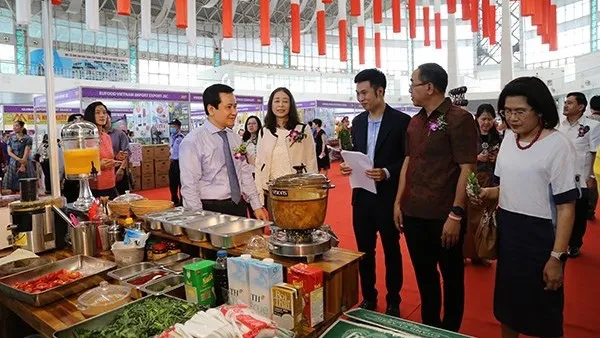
441	151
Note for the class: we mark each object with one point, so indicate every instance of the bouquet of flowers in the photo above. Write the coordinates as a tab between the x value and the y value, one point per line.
240	152
473	188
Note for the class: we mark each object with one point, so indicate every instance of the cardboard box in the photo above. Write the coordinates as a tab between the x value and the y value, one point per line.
162	166
147	182
137	183
199	283
162	152
148	153
287	307
136	171
148	168
161	180
310	280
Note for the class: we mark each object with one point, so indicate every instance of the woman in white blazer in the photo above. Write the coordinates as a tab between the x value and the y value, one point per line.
284	142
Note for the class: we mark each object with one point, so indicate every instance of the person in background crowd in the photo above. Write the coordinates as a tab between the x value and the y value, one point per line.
241	132
323	162
19	151
593	193
585	135
487	149
344	135
4	143
536	170
250	138
174	172
312	128
211	178
130	136
284	142
70	188
39	174
380	133
431	200
45	161
105	184
120	144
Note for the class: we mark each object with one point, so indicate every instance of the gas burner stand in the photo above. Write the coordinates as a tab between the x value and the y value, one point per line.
301	243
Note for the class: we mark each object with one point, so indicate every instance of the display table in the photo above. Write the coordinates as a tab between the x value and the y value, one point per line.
341	292
340	268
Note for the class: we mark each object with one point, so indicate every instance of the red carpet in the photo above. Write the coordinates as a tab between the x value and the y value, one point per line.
582	294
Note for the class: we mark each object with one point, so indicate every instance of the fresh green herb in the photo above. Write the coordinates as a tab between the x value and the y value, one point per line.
146	318
473	184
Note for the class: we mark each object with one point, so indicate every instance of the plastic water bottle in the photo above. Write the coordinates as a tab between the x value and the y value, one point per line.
220	274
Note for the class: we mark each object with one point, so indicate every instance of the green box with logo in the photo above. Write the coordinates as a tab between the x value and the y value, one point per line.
199	283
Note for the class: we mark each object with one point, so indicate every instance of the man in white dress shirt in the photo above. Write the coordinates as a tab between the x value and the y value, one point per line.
211	177
585	135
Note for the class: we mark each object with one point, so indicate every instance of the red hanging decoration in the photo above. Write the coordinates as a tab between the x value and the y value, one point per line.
377	47
355	7
466	9
485	5
412	18
438	30
265	23
552	28
124	7
527	7
361	45
377	11
227	18
427	40
321	37
538	13
295	32
475	15
492	24
327	1
451	6
56	2
396	16
342	29
181	13
544	25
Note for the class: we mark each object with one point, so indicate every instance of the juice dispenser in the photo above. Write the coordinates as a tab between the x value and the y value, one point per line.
80	142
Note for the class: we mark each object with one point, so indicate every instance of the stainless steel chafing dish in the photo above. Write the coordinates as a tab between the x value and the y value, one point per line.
195	229
235	233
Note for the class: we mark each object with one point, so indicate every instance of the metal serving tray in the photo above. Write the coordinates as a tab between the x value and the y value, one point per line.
195	228
235	233
164	285
170	260
88	266
177	268
21	265
100	320
137	291
130	271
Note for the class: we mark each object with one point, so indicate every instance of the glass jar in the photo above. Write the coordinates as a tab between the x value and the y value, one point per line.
80	143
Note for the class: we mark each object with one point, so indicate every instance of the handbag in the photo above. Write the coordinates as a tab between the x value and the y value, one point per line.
486	234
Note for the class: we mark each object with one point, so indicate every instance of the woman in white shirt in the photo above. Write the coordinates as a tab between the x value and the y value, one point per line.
250	137
283	143
537	190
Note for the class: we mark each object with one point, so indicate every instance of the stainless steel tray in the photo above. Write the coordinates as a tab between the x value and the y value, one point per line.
24	264
170	260
130	271
100	320
137	291
164	285
194	228
236	233
177	268
88	266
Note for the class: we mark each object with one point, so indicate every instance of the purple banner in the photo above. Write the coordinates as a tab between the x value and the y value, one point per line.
306	104
338	104
252	109
18	109
130	94
121	111
59	97
68	110
241	99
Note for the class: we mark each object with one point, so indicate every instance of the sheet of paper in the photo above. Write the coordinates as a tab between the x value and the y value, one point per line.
359	162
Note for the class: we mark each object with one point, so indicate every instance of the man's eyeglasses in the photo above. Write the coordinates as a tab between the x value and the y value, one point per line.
413	85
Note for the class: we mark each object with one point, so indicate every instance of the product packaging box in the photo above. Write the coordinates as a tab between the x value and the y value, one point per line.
147	182
162	152
161	180
148	153
147	168
310	280
237	275
162	166
262	276
136	171
287	306
199	283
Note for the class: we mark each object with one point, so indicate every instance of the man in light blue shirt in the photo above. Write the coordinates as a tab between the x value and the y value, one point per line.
211	178
174	172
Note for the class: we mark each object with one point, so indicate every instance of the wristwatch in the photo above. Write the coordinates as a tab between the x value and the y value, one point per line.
561	256
458	211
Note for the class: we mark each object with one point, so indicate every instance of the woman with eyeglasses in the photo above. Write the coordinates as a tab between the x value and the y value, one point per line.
535	170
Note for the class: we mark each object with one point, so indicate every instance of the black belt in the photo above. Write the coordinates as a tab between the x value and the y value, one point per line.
228	201
174	160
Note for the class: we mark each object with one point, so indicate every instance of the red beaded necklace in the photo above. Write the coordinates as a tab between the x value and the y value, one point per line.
537	136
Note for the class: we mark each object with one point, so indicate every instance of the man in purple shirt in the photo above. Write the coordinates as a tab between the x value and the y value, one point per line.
211	178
